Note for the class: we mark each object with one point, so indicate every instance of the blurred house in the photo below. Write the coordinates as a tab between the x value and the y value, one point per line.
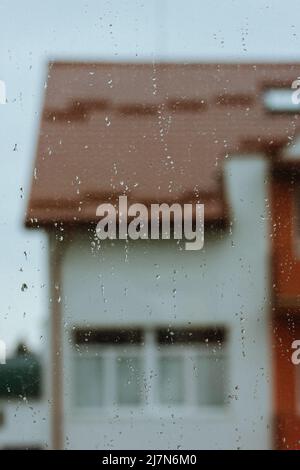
23	409
153	346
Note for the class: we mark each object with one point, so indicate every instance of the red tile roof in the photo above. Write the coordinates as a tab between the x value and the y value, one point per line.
155	132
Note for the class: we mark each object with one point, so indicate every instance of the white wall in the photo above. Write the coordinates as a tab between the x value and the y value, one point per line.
226	283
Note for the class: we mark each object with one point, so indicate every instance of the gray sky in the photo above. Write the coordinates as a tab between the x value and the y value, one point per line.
32	32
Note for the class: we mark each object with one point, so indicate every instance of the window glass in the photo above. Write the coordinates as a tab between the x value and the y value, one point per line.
89	381
129	380
292	151
210	379
171	380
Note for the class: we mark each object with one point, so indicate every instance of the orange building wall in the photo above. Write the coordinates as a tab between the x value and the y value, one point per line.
286	315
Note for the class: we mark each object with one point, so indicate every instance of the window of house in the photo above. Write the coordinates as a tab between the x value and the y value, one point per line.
159	367
296	222
279	100
292	150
